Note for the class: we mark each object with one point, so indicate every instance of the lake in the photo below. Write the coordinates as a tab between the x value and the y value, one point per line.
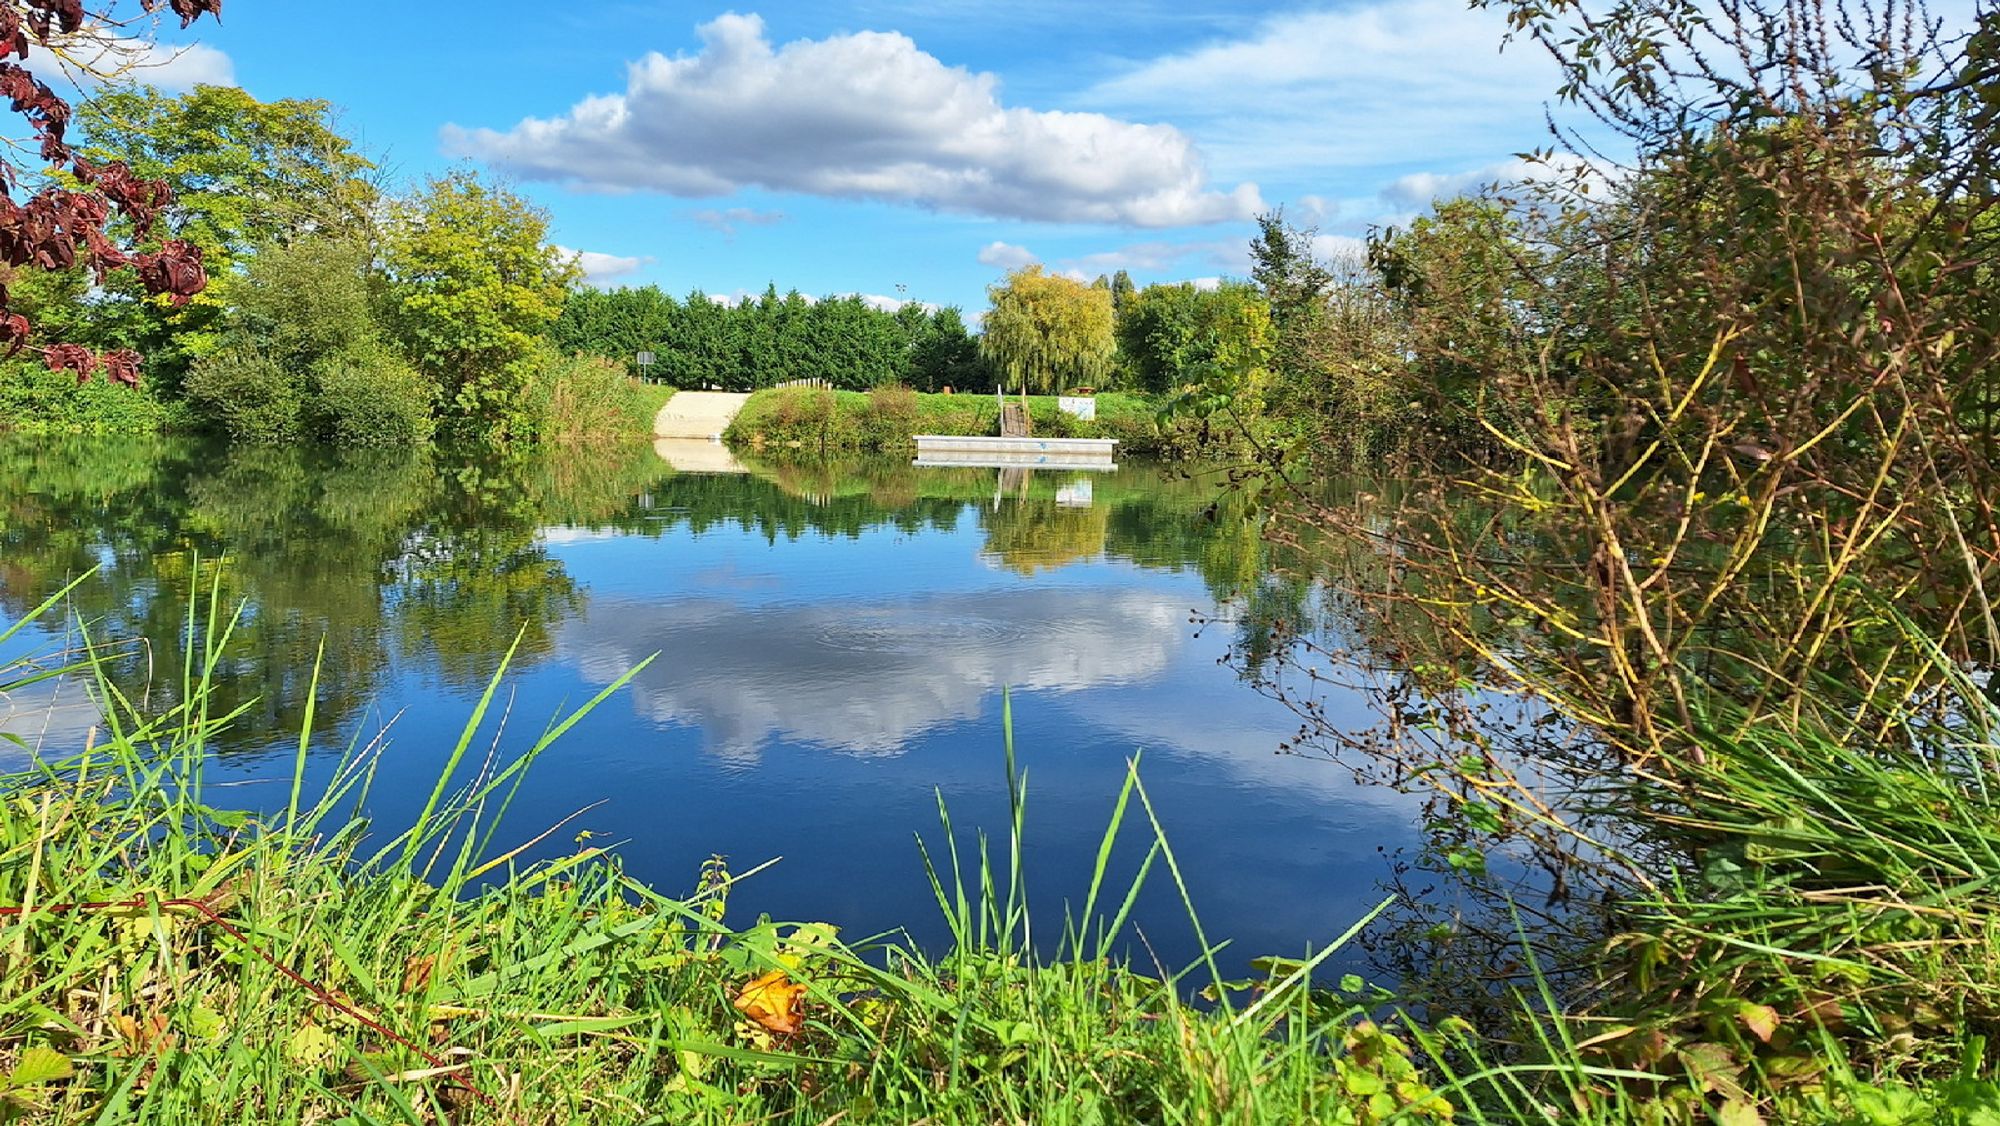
833	645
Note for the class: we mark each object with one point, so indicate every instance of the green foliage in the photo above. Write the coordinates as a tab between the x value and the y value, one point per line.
893	416
1048	333
580	400
807	418
245	175
33	398
473	288
369	396
1465	281
1291	275
945	354
248	395
751	345
309	300
303	356
1173	335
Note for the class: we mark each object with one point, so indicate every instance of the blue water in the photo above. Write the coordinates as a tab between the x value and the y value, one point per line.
828	659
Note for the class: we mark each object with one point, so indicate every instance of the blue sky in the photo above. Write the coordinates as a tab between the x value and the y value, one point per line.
896	148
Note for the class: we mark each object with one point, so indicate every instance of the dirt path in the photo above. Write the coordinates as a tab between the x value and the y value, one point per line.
697	414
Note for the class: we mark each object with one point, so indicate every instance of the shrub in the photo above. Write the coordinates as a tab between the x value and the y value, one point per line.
581	400
368	396
891	418
309	301
244	393
802	418
36	399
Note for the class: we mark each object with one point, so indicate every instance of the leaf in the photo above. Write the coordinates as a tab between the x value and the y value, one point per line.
312	1046
1761	1020
417	972
39	1065
142	1036
774	1002
206	1023
1713	1066
1738	1112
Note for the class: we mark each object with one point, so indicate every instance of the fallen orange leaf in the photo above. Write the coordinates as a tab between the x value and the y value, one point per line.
774	1002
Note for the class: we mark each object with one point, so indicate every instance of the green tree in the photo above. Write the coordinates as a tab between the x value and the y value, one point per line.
617	324
303	355
245	174
1176	334
473	289
1046	333
1285	268
1122	293
948	356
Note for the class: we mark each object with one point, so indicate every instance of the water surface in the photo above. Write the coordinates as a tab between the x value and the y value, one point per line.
832	647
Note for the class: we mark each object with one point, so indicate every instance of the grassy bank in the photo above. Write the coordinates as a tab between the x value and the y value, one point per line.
884	420
571	401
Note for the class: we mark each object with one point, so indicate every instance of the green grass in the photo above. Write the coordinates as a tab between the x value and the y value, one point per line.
166	959
652	397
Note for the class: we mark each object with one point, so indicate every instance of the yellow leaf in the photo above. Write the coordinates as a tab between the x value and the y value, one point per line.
1761	1020
312	1046
774	1002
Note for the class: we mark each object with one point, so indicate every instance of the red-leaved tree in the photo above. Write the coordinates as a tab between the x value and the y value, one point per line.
57	226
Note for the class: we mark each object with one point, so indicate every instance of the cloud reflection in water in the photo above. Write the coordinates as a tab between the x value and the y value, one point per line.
867	677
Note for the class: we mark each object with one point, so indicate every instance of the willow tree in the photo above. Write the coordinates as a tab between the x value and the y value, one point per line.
1045	333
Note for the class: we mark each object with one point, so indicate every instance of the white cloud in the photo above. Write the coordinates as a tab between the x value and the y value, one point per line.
1007	256
858	116
889	304
730	220
1419	190
1227	255
1343	249
602	269
187	66
1352	87
174	67
747	673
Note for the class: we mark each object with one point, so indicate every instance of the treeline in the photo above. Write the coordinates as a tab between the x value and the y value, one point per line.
1049	333
703	342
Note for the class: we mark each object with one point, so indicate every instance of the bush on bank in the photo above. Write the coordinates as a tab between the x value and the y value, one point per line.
35	399
884	420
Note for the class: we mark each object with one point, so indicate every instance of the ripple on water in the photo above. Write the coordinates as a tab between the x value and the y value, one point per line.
899	632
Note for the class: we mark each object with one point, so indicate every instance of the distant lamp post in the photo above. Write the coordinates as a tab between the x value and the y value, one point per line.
646	365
